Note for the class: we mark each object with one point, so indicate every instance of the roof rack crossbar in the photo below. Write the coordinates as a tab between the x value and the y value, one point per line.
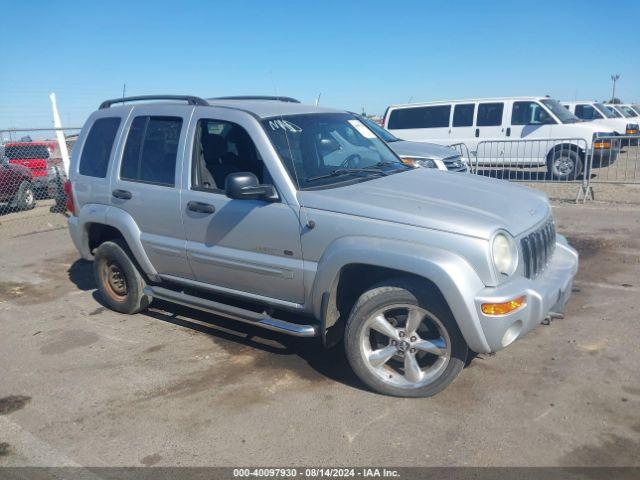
191	100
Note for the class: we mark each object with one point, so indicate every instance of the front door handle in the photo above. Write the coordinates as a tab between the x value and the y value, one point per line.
508	131
122	194
201	207
477	132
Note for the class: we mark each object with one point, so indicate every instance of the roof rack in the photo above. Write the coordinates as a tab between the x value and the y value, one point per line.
259	97
191	100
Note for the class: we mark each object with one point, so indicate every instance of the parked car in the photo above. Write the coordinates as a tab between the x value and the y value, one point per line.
539	119
604	115
16	186
37	156
419	154
242	209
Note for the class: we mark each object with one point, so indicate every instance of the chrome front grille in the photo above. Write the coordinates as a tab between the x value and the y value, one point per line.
537	249
454	164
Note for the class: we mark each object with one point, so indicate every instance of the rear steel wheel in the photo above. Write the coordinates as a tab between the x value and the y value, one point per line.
118	279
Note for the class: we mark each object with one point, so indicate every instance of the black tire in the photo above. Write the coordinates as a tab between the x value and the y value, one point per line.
403	291
564	164
26	197
119	281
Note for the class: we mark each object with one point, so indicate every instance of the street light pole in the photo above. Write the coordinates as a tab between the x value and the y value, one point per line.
614	79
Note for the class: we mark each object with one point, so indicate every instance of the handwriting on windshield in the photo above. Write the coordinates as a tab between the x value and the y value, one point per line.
281	124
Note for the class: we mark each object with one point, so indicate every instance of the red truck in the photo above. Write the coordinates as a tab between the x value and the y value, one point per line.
39	157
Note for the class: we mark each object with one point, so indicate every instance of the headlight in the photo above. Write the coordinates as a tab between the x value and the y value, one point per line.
504	253
632	129
419	162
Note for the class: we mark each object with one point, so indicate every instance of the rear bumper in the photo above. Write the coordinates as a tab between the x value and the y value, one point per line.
78	236
545	294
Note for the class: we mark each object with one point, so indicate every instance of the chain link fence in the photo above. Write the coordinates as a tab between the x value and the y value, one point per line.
32	176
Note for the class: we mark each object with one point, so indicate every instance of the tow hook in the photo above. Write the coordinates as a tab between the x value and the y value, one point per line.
551	316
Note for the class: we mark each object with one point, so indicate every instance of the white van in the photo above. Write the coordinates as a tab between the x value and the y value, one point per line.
603	114
503	119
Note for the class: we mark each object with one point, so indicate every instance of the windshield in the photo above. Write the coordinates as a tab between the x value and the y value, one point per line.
378	130
26	152
627	112
326	149
564	115
607	111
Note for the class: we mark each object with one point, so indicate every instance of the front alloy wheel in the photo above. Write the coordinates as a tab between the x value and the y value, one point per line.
402	340
405	346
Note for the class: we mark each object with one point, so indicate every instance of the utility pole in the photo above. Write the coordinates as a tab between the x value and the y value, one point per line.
614	79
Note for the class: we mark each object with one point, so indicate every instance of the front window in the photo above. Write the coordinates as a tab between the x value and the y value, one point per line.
564	115
606	111
529	113
330	149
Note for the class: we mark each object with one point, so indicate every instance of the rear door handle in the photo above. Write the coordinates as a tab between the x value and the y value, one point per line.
201	207
122	194
477	132
508	131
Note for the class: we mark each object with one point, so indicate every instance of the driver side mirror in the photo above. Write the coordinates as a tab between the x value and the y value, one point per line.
245	186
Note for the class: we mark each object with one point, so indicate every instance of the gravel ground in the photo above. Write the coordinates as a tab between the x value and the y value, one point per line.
82	385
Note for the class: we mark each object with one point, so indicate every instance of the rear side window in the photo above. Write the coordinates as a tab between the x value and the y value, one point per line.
94	160
490	114
463	115
420	117
151	150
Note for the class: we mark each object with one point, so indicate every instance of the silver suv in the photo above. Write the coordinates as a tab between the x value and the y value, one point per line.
300	219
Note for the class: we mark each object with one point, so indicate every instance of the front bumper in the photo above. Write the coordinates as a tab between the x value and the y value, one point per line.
547	293
605	157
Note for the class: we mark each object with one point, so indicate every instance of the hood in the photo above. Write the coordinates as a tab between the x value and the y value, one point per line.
618	125
19	169
423	197
422	149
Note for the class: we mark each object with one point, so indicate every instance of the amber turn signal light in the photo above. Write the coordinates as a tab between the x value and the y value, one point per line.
632	132
602	145
503	308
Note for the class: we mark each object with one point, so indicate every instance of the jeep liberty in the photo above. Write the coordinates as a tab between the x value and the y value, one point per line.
300	219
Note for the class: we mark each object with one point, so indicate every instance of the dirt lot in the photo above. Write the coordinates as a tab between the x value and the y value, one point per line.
82	385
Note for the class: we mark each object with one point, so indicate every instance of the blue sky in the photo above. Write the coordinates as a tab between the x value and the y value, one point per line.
358	54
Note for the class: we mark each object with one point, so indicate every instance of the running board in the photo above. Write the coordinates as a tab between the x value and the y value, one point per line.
235	313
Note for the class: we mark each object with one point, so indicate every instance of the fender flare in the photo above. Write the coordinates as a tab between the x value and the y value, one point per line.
124	223
452	274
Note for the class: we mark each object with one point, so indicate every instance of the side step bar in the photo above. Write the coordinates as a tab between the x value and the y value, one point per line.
235	313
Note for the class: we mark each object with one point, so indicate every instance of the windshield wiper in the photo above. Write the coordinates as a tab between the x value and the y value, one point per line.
346	171
392	164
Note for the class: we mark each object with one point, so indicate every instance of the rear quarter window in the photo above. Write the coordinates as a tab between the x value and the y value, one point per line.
436	116
94	160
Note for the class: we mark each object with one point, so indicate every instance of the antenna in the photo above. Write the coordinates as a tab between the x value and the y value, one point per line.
124	91
318	99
